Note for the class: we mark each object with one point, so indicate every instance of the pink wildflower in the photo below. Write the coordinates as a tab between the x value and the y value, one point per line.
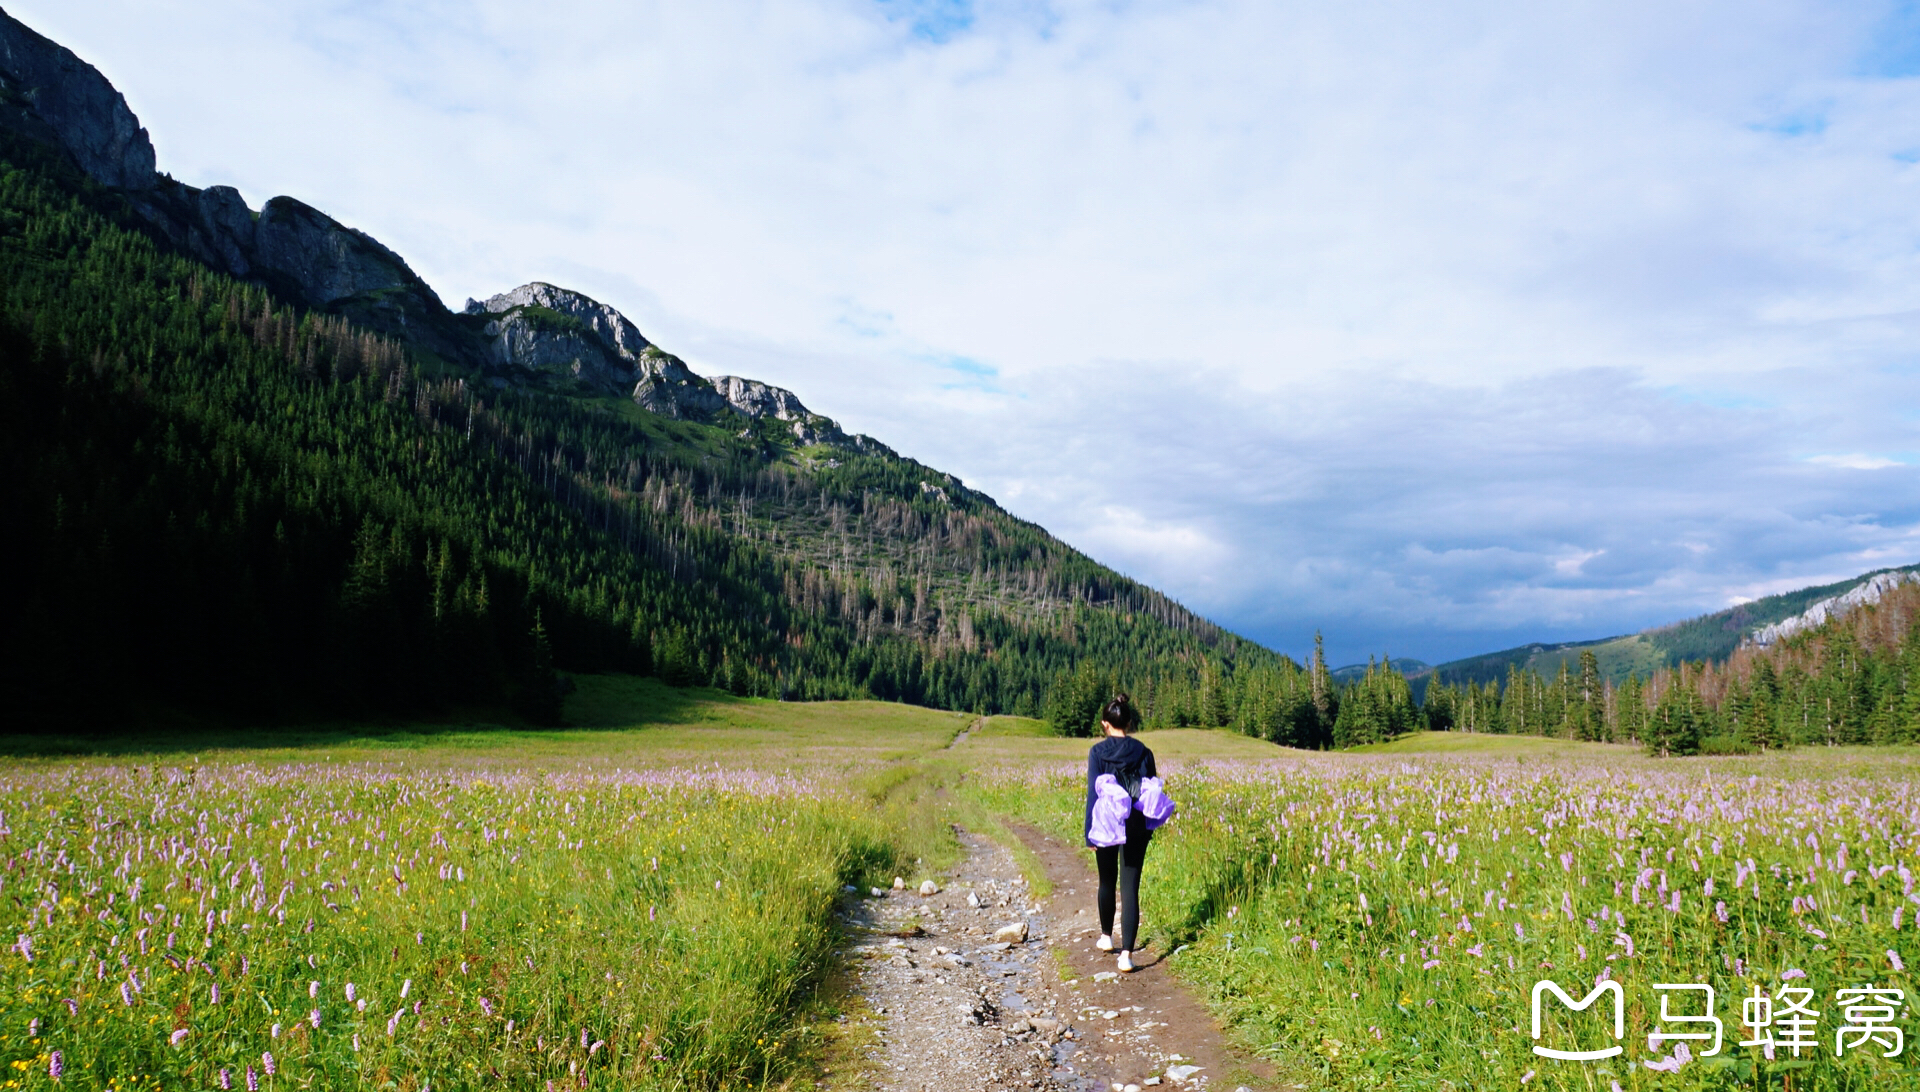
1681	1056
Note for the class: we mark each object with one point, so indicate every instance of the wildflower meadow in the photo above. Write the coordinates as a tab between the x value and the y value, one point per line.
342	926
1386	922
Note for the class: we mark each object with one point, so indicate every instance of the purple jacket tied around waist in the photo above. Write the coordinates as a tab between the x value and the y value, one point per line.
1111	805
1154	803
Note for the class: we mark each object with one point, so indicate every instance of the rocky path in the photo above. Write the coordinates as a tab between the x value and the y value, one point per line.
978	985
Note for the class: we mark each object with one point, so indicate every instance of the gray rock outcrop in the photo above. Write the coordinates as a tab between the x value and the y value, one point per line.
1836	606
562	336
50	94
669	388
328	260
757	399
308	256
608	325
752	398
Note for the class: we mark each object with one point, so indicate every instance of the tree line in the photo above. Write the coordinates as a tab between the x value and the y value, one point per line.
1853	680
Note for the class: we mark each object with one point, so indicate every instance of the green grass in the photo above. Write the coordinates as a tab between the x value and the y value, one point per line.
359	926
661	879
1014	727
693	986
615	721
1384	916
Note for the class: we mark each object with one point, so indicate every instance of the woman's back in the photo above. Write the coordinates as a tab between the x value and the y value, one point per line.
1125	757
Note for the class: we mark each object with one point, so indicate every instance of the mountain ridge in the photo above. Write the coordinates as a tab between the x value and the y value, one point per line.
1711	637
369	501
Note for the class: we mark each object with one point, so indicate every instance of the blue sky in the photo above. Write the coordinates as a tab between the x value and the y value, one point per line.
1438	328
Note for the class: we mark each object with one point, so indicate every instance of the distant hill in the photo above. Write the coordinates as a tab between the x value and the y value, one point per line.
1408	667
1710	637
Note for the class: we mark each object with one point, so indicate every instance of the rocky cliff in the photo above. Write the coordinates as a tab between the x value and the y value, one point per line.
756	399
542	333
1837	606
49	94
538	334
610	326
559	337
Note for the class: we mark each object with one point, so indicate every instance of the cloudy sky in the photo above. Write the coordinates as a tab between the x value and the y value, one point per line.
1437	327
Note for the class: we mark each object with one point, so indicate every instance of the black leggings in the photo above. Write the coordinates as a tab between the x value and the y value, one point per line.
1122	864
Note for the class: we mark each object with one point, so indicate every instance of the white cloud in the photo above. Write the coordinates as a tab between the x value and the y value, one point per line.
1855	461
1394	308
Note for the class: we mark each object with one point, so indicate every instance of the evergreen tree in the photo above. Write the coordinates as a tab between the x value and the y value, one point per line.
1075	700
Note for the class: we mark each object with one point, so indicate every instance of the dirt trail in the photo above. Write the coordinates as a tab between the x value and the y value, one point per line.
976	724
955	1008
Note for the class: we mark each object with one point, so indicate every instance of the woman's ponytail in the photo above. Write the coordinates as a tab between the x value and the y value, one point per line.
1120	713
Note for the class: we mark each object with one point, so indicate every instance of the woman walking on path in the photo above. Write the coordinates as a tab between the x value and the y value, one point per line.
1129	761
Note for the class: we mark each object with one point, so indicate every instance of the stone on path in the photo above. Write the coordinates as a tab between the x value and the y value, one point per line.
1179	1073
929	888
899	884
1011	934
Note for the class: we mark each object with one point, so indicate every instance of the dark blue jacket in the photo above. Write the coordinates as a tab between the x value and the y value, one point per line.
1128	760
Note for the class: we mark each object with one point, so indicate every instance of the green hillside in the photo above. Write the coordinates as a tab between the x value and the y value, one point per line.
223	499
1355	672
1710	638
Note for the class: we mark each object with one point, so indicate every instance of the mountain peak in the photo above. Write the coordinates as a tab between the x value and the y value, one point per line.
607	325
50	94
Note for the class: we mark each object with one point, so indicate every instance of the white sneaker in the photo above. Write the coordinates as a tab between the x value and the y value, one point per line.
1105	943
1126	961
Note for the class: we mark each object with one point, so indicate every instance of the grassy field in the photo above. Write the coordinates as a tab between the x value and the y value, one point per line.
1388	915
646	900
1477	743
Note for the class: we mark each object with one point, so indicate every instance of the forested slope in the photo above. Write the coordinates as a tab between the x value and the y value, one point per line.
221	496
